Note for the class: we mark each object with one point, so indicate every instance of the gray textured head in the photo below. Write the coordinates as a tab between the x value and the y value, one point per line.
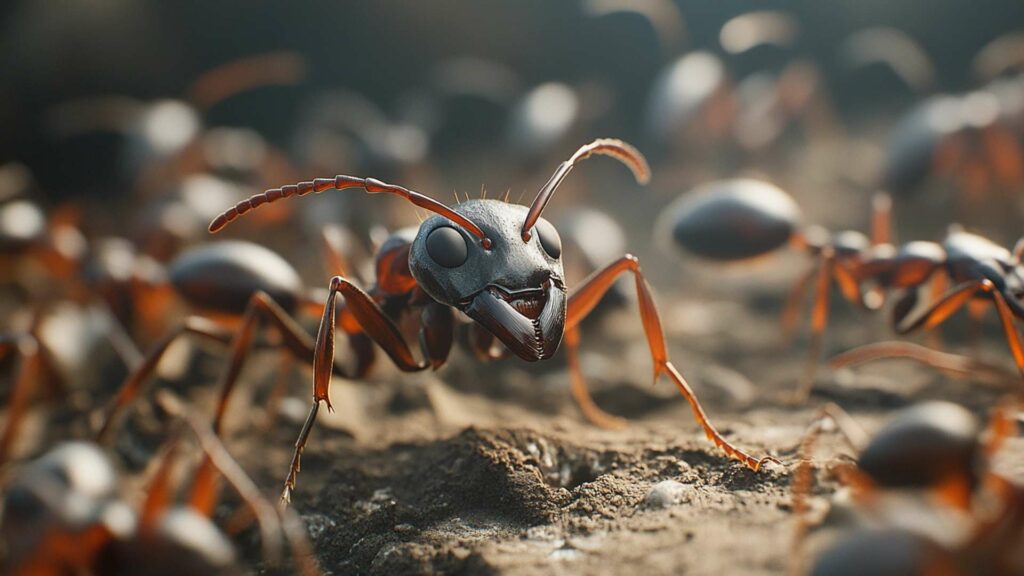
515	288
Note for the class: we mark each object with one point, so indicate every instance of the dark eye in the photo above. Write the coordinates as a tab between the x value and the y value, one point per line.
549	238
447	247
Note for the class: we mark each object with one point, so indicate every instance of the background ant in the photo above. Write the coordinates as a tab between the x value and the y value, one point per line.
498	263
926	480
742	219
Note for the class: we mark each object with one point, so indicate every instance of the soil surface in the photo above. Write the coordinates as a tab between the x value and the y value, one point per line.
491	469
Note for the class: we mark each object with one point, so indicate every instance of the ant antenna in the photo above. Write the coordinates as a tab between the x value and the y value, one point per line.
617	149
341	182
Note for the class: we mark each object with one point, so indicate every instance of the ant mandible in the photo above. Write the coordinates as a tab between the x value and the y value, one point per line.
498	263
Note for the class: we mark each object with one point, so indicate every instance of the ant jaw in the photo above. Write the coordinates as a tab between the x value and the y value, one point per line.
528	322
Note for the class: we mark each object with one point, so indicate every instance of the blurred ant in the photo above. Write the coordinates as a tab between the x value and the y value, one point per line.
935	450
966	139
235	286
62	514
980	271
60	352
498	263
738	220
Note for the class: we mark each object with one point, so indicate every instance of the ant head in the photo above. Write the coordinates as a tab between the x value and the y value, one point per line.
515	288
509	278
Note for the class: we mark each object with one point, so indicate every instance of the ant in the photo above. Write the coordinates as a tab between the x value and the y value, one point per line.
937	450
981	273
741	219
62	513
235	286
498	263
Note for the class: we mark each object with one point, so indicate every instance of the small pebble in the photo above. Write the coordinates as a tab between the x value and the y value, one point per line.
668	493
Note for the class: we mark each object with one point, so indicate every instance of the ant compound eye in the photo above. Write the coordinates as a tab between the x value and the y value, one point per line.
447	247
549	238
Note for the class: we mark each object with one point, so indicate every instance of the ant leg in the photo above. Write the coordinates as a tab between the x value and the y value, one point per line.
217	462
132	385
437	333
938	287
955	364
803	476
1006	317
881	219
296	341
819	319
377	326
941	310
580	393
957	298
586	297
791	311
29	368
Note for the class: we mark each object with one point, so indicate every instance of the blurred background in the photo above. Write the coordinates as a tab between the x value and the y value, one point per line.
127	125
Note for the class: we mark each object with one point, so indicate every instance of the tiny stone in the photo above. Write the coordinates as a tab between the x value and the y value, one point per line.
668	493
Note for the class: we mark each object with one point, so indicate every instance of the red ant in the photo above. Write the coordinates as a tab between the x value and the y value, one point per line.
935	456
498	263
61	514
741	219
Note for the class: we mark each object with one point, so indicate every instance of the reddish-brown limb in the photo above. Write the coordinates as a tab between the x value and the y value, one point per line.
958	297
296	340
27	374
1001	425
617	149
819	320
937	287
803	475
1009	329
586	297
218	461
159	492
580	393
341	182
941	309
376	324
791	311
132	384
437	333
881	219
953	363
205	487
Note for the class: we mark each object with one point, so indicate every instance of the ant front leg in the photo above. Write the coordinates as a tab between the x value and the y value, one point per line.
376	324
586	297
956	299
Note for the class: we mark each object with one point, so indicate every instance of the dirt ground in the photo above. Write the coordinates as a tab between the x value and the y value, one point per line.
490	469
